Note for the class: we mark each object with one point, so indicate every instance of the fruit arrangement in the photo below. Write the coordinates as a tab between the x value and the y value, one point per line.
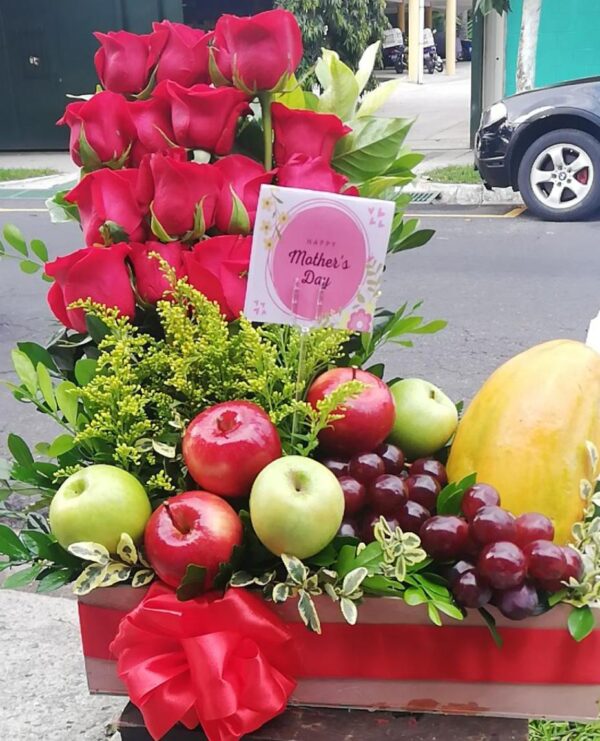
219	459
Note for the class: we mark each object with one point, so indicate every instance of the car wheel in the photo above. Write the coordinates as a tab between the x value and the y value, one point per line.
559	176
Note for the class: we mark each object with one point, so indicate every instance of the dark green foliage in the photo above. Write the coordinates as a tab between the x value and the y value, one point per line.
346	26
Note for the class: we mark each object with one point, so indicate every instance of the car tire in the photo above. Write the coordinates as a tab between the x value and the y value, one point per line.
559	176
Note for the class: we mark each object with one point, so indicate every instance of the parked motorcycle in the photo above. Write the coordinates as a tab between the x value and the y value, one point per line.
394	51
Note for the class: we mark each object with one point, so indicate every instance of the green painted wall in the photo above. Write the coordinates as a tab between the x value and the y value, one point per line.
568	44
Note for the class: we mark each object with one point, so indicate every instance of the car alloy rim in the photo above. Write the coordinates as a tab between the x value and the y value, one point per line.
562	176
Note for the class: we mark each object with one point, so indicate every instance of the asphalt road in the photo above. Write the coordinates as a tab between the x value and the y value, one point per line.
503	284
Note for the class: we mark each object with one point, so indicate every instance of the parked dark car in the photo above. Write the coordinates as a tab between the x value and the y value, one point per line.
545	143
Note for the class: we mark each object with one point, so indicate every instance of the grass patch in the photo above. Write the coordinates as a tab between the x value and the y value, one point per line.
20	173
546	730
454	174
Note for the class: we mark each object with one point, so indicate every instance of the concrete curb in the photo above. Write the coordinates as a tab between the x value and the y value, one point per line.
466	195
43	182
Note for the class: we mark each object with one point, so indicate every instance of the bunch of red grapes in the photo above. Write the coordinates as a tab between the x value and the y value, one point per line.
493	557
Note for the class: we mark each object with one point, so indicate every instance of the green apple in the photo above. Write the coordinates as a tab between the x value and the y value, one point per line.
296	506
425	417
98	504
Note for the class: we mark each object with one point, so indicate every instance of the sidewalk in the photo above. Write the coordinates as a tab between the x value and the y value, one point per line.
44	691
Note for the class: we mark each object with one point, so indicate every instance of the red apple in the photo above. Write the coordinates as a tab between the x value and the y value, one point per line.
368	418
228	445
191	528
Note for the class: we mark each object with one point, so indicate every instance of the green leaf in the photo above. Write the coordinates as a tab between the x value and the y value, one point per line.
89	551
367	151
241	579
157	228
292	96
490	621
239	223
89	158
10	545
45	384
417	239
96	328
378	186
14	236
61	445
433	613
341	88
37	354
85	370
377	370
353	580
366	65
308	612
20	450
67	397
61	210
374	100
450	498
349	610
192	583
2	249
30	267
581	622
25	370
22	578
39	545
39	249
54	580
449	609
326	557
414	596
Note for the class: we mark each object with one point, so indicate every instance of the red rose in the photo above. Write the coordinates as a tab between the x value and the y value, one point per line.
109	195
97	273
150	280
218	268
152	120
204	117
305	132
102	130
313	173
124	61
184	58
243	177
183	195
258	52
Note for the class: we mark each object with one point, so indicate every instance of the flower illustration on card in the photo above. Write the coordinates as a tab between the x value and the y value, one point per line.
265	226
267	203
283	217
360	321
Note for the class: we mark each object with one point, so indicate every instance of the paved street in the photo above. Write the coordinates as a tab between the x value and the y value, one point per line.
502	283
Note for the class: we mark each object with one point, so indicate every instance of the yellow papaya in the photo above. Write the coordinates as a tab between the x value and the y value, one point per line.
525	432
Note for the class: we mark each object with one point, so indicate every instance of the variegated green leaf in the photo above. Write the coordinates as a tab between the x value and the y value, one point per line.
280	593
264	579
126	550
349	610
400	570
115	573
142	560
308	612
330	591
241	579
90	552
297	571
353	580
142	578
585	489
90	578
593	455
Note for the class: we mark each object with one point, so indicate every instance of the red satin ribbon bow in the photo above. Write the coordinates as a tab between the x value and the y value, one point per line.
223	662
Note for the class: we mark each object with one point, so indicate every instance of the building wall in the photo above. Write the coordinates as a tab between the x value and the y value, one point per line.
568	43
47	51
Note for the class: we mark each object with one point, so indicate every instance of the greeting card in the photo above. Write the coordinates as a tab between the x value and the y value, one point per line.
317	258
